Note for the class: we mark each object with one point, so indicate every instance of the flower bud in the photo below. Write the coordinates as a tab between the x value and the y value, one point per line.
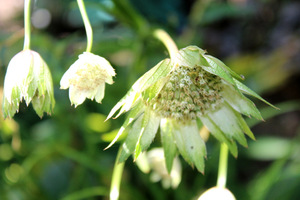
217	193
86	78
28	77
154	160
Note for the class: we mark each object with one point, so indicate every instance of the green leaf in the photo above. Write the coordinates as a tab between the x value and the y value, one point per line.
269	112
223	66
190	144
250	92
219	135
85	193
168	143
266	148
226	120
240	103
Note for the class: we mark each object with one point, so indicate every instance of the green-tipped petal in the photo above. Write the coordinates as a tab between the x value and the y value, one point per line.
154	90
150	129
133	114
140	135
168	143
224	67
132	138
150	125
188	56
250	92
149	78
244	126
240	103
125	104
226	120
219	135
159	71
190	144
213	68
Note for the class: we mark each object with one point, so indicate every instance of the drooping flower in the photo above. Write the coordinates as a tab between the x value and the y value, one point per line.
86	78
28	77
155	160
180	95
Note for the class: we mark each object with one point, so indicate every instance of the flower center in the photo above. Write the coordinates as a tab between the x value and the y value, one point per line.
189	93
88	77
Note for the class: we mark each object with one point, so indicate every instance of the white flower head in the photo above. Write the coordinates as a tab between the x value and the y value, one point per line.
28	77
86	78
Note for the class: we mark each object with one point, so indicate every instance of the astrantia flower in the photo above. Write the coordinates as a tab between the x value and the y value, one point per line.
180	95
155	160
86	78
28	77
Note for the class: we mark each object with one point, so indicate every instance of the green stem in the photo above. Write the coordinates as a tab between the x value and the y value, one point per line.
116	178
169	43
223	161
87	25
27	24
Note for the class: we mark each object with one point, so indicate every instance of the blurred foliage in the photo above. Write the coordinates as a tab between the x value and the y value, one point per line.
61	156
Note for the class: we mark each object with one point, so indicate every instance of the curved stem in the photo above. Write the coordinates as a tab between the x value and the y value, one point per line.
165	38
27	24
87	25
116	178
223	162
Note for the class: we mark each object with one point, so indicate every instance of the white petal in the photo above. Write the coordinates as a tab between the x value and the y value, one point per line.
70	73
100	93
109	80
76	96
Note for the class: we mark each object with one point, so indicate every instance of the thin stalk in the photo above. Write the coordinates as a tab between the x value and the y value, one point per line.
116	178
27	24
87	25
223	162
169	43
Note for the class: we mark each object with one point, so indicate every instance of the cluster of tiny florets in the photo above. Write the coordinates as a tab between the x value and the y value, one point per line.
189	93
88	77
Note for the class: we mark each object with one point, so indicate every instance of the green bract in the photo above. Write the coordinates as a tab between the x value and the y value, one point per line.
177	97
28	77
86	78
